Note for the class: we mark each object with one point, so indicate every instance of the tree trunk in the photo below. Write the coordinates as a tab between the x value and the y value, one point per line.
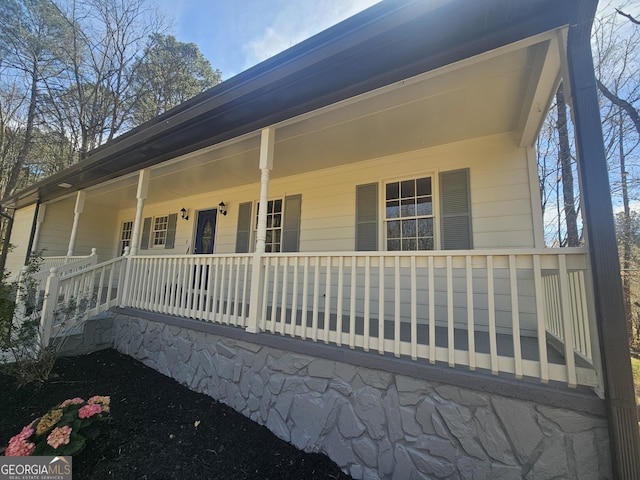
14	173
571	217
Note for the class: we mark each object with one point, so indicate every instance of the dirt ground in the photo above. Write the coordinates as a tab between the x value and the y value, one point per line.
159	429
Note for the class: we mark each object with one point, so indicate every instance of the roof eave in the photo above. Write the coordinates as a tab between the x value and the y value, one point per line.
386	43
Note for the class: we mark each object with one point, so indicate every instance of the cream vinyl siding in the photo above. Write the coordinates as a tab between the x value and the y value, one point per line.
95	229
226	225
500	198
499	183
499	193
56	228
20	233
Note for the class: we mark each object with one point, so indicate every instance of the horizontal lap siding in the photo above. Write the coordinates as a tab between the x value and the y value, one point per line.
56	229
20	233
96	230
226	225
501	208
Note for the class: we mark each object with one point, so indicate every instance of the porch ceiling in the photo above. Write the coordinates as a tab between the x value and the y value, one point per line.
507	90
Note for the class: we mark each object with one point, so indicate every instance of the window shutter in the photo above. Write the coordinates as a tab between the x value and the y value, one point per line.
171	231
291	223
146	233
455	203
367	217
243	235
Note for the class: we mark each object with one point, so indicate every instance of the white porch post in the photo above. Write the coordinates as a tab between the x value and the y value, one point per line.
42	209
257	278
80	198
143	189
47	314
141	195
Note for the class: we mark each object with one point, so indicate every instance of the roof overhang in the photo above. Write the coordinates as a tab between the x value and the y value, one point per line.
391	41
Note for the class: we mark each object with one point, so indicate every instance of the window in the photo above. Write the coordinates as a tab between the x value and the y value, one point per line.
159	231
273	242
409	215
283	225
125	236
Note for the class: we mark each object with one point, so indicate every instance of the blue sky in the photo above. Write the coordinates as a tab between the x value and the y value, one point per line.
236	34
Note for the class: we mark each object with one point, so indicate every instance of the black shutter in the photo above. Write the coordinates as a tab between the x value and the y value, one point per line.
146	233
455	206
243	235
291	223
367	217
171	231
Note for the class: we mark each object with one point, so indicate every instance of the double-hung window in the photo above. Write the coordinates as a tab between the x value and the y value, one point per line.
283	225
159	231
273	241
409	215
125	235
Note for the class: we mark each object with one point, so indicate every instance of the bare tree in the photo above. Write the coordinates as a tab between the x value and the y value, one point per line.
30	31
92	96
565	160
616	44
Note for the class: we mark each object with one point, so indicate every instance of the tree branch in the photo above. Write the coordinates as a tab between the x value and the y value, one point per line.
630	17
626	106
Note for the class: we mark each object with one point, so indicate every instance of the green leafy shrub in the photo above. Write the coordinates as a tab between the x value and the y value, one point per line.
63	430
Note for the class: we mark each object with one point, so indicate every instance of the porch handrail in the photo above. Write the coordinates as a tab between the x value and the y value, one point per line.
80	294
59	260
37	280
430	303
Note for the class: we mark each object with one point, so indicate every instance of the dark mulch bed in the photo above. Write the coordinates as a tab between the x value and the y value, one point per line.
152	434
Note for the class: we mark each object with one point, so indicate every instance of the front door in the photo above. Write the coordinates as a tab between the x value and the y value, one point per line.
205	231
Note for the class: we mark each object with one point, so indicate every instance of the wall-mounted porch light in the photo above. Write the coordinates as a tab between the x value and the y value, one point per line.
183	214
222	208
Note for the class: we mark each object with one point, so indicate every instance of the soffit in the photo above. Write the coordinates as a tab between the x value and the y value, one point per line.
472	99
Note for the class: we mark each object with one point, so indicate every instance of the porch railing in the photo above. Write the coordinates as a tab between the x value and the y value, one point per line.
58	261
214	288
521	312
33	284
71	298
479	309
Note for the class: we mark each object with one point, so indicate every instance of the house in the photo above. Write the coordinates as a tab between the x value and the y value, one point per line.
345	244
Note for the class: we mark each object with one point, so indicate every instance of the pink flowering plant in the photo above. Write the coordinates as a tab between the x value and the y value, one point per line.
63	430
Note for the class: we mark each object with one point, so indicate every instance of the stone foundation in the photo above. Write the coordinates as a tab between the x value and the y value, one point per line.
372	423
89	336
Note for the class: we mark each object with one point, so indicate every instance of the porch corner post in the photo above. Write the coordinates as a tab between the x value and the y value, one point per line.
267	147
125	281
21	302
79	208
47	316
624	437
42	210
141	195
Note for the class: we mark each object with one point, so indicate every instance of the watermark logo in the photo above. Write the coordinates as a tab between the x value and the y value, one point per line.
35	468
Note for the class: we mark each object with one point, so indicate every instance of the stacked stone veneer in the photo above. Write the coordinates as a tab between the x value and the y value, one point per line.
372	423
